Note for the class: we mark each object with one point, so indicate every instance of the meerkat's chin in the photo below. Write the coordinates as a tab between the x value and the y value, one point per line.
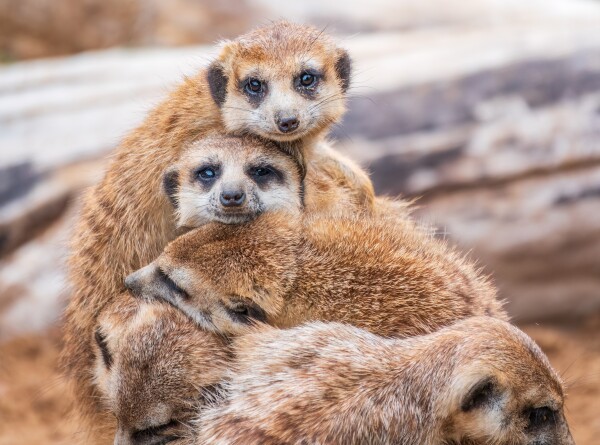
285	137
236	218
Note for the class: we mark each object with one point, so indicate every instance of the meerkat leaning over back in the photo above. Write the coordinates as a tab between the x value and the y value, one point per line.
283	82
387	276
154	369
480	381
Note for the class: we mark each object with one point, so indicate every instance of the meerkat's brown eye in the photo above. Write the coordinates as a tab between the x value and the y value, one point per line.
307	79
254	86
262	171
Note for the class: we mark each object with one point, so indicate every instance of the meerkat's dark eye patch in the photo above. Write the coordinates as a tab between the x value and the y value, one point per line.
307	82
482	394
170	285
207	173
161	432
245	311
103	346
540	417
217	83
263	174
343	68
255	89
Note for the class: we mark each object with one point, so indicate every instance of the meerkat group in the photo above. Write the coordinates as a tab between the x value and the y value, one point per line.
236	280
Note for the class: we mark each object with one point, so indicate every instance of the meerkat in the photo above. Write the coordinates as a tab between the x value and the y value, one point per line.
385	275
294	76
232	180
479	381
153	369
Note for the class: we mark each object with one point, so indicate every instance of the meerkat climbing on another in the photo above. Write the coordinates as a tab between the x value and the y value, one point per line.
153	369
480	381
280	71
385	275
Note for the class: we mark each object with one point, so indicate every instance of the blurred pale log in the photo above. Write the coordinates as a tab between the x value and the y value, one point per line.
497	128
370	15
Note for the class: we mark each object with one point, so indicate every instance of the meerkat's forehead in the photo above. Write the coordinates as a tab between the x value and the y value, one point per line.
240	147
283	37
285	67
234	151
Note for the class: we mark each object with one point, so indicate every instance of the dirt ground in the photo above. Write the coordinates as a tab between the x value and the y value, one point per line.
34	402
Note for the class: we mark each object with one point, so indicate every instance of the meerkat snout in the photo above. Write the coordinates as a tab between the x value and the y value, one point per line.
232	196
232	180
287	124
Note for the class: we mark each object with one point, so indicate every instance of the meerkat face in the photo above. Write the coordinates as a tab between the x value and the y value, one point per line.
508	394
225	277
232	180
283	82
154	368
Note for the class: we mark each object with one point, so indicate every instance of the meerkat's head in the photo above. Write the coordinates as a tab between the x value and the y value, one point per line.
233	180
225	277
153	369
283	82
503	389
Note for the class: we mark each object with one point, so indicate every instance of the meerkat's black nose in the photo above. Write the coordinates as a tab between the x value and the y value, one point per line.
232	198
287	124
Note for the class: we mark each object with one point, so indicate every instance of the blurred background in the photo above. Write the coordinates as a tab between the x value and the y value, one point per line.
486	111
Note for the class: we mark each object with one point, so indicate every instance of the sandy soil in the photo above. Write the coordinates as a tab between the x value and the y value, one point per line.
34	402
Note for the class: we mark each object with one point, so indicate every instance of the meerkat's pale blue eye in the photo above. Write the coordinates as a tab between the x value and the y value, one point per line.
207	173
254	86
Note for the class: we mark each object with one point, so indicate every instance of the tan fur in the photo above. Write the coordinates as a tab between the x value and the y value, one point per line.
475	382
382	274
154	368
126	222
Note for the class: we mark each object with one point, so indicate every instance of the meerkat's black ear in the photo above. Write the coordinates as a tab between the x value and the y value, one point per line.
171	185
484	392
343	68
217	82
